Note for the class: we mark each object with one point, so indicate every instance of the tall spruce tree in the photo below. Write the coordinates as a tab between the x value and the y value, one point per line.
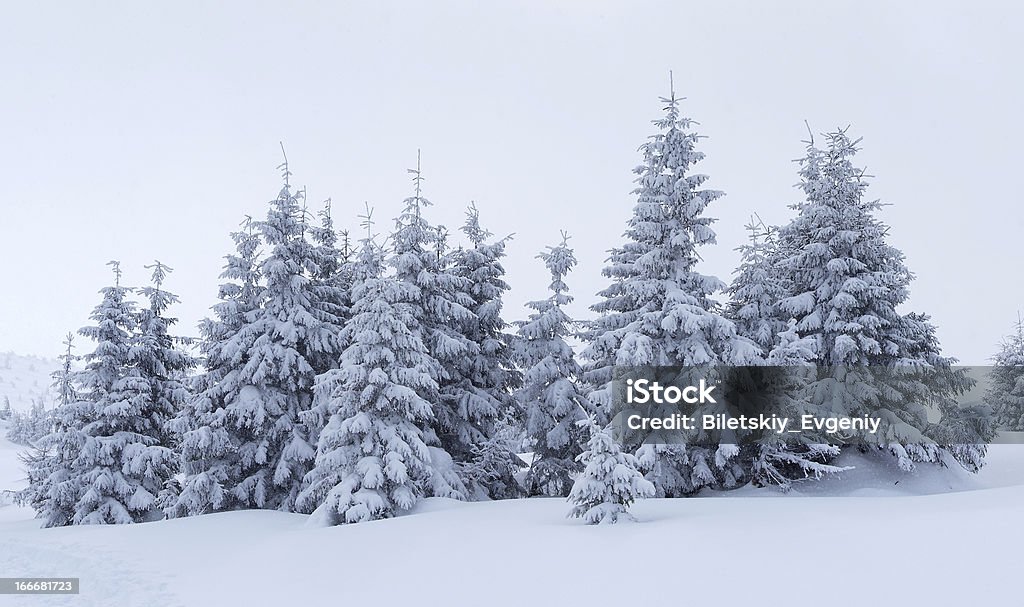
209	457
330	284
490	376
659	309
372	460
163	364
552	397
253	440
846	283
492	369
330	287
754	305
463	415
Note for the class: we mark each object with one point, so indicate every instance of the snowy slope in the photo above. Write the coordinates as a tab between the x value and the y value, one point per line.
744	546
12	477
25	379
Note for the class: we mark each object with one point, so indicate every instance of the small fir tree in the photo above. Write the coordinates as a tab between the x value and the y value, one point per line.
610	481
63	378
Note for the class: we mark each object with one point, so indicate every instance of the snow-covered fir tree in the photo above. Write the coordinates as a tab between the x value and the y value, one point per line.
63	378
107	465
610	481
757	289
160	358
496	465
464	414
330	283
552	397
37	461
846	280
27	428
330	287
372	460
659	309
480	265
5	408
163	365
846	283
209	456
250	444
490	375
1005	394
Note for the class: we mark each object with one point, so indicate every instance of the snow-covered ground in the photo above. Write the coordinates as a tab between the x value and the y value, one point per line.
26	379
865	540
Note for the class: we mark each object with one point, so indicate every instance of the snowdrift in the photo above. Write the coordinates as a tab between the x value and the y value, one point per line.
926	539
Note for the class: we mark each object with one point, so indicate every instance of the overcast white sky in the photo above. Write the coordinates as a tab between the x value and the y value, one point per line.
146	131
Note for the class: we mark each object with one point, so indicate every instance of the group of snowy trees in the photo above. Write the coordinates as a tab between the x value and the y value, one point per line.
351	381
28	427
111	453
821	291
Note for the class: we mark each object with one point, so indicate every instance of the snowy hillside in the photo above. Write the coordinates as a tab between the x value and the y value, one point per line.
524	552
26	379
12	477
